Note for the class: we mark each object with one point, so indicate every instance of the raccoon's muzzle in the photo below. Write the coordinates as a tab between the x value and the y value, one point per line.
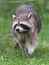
23	26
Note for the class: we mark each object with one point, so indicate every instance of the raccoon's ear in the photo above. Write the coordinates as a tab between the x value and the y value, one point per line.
13	16
29	15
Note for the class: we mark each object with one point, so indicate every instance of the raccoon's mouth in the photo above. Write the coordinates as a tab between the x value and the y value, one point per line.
21	31
25	31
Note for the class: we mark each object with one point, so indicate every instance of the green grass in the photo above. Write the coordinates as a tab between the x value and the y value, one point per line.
9	56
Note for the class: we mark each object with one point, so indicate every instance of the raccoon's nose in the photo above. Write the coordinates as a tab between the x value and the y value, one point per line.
17	30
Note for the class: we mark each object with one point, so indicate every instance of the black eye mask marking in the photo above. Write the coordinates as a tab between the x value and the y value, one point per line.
24	26
15	26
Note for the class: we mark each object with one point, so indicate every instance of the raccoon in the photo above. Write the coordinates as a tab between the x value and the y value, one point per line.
25	28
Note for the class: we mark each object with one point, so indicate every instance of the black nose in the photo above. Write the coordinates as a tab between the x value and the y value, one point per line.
17	30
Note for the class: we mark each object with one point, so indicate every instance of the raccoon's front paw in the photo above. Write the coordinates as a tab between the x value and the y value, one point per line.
27	54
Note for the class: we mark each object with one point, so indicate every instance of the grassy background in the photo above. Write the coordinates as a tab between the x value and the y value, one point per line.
9	56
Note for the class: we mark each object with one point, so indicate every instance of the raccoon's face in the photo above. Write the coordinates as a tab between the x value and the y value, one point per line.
20	25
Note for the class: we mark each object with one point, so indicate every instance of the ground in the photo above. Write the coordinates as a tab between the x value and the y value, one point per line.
9	56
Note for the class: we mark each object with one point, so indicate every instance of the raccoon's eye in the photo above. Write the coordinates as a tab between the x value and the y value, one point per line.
24	26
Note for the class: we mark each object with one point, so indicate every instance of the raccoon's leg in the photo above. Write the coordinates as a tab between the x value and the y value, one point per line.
22	46
31	46
16	45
